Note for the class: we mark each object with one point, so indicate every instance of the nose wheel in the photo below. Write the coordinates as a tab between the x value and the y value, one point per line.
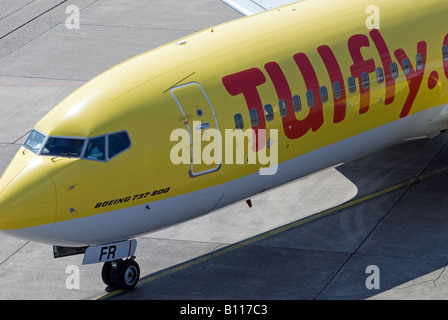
123	274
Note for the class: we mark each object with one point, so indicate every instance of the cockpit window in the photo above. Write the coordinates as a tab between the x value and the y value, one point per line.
100	148
96	149
118	142
64	147
34	141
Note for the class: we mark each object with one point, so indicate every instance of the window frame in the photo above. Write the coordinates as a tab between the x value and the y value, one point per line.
62	156
445	52
240	116
283	108
419	61
406	66
121	151
379	75
268	114
84	147
394	70
44	141
351	83
365	79
323	92
310	99
337	90
254	119
106	148
297	103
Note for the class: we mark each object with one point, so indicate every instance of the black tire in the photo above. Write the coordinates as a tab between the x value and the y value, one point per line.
106	274
128	274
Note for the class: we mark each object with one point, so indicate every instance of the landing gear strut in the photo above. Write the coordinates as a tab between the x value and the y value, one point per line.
123	274
119	270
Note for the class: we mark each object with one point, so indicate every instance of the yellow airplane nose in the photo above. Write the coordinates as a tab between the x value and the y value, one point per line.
27	199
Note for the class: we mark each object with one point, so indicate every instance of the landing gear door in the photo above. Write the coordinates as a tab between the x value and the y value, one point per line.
199	116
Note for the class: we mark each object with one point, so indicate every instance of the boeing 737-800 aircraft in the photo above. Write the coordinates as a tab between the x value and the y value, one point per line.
222	115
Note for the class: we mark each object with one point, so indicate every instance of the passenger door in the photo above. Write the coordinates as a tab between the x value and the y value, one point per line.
198	115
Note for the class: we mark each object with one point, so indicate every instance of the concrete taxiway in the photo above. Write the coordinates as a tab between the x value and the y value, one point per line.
316	238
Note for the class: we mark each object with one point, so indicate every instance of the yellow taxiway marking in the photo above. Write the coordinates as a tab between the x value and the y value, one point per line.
233	247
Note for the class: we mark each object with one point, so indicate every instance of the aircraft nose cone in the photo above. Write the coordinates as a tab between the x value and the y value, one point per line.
27	199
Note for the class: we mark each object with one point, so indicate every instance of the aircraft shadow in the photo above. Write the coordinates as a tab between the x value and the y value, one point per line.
400	233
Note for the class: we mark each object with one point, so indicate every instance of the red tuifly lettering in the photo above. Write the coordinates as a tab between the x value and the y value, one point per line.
335	74
360	66
315	118
413	76
246	83
292	127
386	59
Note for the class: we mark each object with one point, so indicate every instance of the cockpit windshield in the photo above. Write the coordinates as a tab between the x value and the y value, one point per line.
34	141
102	148
96	149
63	147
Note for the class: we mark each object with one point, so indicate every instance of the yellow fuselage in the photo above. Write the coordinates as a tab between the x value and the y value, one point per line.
322	47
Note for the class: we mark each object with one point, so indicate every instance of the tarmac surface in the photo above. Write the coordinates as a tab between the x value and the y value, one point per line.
374	228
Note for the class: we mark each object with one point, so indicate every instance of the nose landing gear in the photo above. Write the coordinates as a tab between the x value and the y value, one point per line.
119	270
123	274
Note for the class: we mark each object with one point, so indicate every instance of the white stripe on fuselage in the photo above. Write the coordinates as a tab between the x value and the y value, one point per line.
133	221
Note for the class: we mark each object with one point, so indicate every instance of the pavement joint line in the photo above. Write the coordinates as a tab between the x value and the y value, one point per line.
230	248
81	81
14	253
138	27
24	24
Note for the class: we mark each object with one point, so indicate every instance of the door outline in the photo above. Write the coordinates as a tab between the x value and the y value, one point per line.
191	172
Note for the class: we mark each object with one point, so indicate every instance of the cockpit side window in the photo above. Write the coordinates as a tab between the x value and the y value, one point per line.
96	149
34	141
117	143
64	147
